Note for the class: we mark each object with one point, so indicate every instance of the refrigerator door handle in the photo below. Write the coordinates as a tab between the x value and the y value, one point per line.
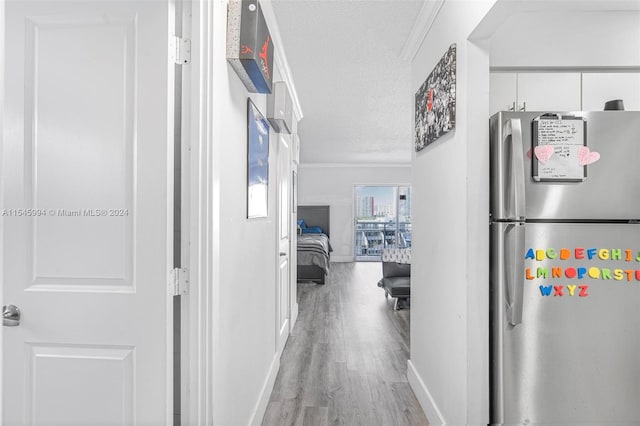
514	237
516	182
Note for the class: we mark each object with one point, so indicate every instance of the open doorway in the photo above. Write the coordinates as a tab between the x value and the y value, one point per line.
382	219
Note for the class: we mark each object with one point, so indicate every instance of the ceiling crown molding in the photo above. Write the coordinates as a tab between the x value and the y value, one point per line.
280	55
421	27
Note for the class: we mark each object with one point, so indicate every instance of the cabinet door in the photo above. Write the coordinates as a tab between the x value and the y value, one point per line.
502	91
597	88
549	91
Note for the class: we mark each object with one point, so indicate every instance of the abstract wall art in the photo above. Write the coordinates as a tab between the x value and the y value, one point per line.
435	108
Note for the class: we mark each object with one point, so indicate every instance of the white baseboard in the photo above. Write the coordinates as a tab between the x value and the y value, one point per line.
341	258
294	315
265	394
434	416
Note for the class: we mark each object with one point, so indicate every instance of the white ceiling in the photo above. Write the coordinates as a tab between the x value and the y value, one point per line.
353	88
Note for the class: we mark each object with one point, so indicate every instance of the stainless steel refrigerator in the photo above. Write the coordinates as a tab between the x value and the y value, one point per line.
565	268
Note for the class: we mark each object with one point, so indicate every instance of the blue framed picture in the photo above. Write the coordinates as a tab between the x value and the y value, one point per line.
257	163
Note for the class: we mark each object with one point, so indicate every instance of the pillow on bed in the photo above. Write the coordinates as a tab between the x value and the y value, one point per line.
301	223
312	230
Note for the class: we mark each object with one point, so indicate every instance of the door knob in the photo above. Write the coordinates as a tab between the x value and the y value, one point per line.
10	316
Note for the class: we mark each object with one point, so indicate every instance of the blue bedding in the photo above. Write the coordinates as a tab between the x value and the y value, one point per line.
308	229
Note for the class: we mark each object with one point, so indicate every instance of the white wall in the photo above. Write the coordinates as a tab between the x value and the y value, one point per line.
333	185
568	39
448	369
243	322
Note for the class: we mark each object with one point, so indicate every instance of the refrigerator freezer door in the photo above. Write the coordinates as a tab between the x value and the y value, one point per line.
573	360
612	183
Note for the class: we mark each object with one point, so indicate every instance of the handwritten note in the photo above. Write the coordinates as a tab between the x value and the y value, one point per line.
566	136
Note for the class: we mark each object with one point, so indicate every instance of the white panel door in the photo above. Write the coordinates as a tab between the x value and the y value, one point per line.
86	246
549	91
284	216
502	91
597	88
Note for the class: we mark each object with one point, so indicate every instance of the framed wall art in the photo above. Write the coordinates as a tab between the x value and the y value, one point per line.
435	112
249	45
257	163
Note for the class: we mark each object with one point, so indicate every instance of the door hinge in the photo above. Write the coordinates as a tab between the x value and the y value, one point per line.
180	49
179	282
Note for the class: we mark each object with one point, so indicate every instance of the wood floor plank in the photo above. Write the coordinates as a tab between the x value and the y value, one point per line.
346	360
315	416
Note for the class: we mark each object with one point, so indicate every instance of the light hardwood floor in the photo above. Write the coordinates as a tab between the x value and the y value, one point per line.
345	362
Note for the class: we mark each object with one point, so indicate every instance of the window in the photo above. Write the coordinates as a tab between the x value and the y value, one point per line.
382	219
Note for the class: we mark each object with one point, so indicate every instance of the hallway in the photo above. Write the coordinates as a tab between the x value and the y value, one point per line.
346	359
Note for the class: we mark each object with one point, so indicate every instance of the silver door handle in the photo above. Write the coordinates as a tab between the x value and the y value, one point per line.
10	316
283	253
513	128
514	266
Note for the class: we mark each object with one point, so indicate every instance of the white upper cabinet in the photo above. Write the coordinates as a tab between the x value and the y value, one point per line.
549	91
562	91
597	88
502	91
534	91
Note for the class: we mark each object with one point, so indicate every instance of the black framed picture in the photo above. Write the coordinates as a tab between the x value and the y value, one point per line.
435	112
257	163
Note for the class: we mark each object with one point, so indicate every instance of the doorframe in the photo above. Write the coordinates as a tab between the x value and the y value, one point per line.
2	20
293	247
203	216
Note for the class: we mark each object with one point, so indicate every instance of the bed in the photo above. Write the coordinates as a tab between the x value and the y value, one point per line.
314	247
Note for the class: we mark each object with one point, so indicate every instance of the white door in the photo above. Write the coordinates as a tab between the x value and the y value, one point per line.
284	215
88	115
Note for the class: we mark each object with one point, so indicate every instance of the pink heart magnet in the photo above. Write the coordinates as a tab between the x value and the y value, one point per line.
543	153
586	156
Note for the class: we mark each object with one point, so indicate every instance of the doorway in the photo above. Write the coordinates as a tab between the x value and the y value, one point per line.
382	220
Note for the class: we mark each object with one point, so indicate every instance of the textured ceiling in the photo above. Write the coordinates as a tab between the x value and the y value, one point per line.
353	87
